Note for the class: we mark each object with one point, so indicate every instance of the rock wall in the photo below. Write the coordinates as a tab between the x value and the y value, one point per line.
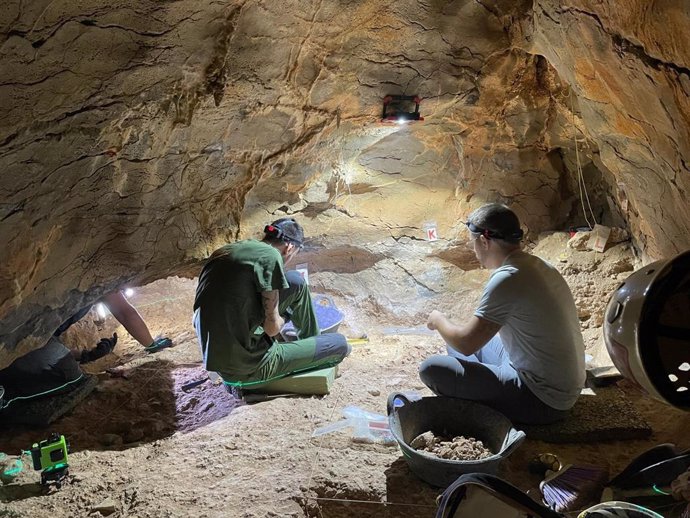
627	65
135	137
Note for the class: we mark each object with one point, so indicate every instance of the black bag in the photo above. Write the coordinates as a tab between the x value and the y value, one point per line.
478	495
45	370
659	466
42	386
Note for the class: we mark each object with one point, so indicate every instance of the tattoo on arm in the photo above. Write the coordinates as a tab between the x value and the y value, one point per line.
269	300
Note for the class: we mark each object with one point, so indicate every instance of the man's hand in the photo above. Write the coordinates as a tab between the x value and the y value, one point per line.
103	347
434	320
272	326
466	338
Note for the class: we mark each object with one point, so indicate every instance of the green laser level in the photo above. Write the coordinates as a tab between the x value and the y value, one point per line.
51	457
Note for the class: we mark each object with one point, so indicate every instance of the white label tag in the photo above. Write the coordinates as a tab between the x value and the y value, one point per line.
430	231
598	238
622	196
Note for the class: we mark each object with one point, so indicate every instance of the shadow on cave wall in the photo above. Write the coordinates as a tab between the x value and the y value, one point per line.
589	191
461	256
339	259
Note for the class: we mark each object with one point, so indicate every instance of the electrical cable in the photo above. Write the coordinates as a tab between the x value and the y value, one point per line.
376	502
660	491
580	176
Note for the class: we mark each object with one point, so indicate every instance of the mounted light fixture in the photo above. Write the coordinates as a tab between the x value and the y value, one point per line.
399	109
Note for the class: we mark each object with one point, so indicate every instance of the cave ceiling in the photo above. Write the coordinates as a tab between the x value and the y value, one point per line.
135	137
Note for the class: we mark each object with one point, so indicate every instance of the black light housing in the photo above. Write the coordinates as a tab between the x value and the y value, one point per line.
396	108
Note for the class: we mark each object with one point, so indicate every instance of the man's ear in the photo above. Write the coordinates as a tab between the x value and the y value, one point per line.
289	249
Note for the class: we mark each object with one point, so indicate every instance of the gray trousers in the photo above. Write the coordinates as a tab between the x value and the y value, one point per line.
487	377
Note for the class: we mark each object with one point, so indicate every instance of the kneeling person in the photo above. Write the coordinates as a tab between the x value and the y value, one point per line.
242	301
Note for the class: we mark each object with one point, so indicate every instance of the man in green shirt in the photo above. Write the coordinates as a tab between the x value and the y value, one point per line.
242	301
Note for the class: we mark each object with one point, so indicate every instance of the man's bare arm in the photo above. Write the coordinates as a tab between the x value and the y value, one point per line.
467	338
273	322
129	317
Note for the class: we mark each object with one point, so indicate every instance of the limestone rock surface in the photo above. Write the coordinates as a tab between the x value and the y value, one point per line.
136	137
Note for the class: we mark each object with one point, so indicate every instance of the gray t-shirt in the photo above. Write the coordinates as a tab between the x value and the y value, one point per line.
540	330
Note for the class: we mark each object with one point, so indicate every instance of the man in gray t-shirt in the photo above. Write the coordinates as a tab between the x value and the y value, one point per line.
522	351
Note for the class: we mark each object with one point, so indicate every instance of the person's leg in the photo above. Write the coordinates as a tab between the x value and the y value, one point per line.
296	303
493	353
455	354
133	322
203	340
317	352
448	376
497	386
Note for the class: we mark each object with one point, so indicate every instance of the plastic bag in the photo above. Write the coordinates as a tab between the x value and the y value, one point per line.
615	508
10	468
367	427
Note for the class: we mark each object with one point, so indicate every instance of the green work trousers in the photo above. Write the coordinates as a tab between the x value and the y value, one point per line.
311	351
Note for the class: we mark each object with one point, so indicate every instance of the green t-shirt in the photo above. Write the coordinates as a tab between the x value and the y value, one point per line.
231	310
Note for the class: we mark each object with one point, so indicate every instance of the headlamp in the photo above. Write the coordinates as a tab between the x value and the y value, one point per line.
492	234
276	232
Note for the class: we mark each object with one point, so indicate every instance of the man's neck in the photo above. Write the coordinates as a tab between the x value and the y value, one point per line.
281	247
499	257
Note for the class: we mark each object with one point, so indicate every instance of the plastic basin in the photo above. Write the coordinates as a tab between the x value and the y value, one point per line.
408	418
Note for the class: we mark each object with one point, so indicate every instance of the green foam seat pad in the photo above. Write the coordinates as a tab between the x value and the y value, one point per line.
317	383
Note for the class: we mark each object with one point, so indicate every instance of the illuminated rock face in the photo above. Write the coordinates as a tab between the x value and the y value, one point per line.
135	137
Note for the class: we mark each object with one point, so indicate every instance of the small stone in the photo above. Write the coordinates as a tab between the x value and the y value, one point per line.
106	507
374	392
618	235
423	440
579	241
